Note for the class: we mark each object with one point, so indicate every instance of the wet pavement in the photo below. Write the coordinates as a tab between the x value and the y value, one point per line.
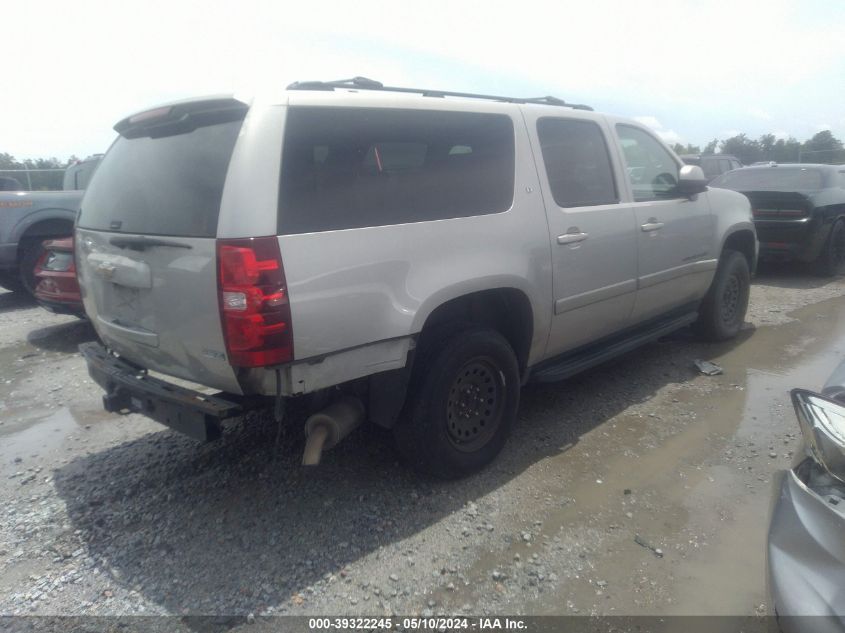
639	487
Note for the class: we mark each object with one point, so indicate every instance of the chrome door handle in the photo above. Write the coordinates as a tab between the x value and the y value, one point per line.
572	238
652	225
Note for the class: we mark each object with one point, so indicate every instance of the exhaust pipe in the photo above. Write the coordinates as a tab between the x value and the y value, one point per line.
325	429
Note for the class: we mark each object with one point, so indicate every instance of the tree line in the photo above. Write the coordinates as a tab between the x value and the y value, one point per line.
39	180
823	147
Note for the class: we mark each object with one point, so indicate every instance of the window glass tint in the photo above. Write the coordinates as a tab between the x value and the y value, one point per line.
771	179
724	165
170	185
577	162
652	170
354	167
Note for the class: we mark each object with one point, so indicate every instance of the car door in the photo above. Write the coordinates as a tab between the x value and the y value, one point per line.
593	237
675	258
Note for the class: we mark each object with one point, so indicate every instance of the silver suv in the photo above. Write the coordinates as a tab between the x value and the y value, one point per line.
407	257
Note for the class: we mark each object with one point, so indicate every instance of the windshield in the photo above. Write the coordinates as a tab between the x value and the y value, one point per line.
171	185
771	179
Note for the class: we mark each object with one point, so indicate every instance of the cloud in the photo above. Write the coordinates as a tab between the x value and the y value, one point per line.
468	46
650	121
759	113
669	136
821	127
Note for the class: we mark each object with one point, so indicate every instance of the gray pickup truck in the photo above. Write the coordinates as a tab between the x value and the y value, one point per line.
27	218
404	257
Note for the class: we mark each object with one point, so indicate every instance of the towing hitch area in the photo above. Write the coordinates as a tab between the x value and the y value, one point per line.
325	429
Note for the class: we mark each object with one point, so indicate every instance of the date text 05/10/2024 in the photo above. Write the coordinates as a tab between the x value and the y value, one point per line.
411	624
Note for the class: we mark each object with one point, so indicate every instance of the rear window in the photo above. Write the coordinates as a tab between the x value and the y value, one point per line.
170	185
346	168
771	179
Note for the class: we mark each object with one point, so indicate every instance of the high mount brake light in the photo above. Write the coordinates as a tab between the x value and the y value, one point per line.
149	115
254	304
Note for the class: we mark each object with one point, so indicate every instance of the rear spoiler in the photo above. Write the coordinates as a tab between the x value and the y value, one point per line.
181	117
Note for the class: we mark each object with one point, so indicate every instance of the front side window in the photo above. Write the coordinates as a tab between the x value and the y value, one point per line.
651	169
346	168
577	162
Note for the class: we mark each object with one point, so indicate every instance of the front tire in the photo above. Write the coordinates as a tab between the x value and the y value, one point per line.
831	260
462	402
722	311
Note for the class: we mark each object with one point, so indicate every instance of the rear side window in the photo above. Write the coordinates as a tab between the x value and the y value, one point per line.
577	162
346	168
170	185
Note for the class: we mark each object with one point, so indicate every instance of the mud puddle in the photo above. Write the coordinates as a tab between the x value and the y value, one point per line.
666	513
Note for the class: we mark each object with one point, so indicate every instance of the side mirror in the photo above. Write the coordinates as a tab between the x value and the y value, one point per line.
691	180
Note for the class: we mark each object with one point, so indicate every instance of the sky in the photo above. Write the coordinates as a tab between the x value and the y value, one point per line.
691	70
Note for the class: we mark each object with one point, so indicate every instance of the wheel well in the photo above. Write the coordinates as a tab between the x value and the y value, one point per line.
53	227
743	242
506	310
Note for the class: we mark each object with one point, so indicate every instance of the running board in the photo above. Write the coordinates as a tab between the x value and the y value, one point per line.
579	360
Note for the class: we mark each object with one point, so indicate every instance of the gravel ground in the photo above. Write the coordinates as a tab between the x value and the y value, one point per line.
640	487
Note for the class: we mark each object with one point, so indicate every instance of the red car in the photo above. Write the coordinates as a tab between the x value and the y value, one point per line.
55	273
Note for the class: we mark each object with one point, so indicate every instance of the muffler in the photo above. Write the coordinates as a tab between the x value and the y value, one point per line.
325	429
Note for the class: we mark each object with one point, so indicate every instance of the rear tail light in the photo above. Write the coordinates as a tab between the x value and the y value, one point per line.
58	261
254	304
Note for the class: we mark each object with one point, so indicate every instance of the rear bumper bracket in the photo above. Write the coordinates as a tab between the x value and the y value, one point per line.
130	389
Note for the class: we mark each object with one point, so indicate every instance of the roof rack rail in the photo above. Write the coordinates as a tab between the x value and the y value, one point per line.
363	83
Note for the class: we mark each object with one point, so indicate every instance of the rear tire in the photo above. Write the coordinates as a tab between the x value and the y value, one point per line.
722	311
31	249
831	261
462	402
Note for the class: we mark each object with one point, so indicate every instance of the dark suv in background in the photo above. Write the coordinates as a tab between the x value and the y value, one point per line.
712	164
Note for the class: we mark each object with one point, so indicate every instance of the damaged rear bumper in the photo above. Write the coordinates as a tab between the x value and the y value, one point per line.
129	388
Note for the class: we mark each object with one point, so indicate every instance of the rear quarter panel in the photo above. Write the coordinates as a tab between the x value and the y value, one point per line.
357	286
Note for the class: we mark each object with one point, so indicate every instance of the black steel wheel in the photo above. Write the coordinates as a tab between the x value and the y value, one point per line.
475	404
462	401
731	300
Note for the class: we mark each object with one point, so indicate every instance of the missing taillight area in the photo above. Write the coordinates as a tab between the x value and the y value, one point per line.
254	304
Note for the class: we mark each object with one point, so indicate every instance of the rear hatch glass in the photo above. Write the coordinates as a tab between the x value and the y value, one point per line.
170	185
146	241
